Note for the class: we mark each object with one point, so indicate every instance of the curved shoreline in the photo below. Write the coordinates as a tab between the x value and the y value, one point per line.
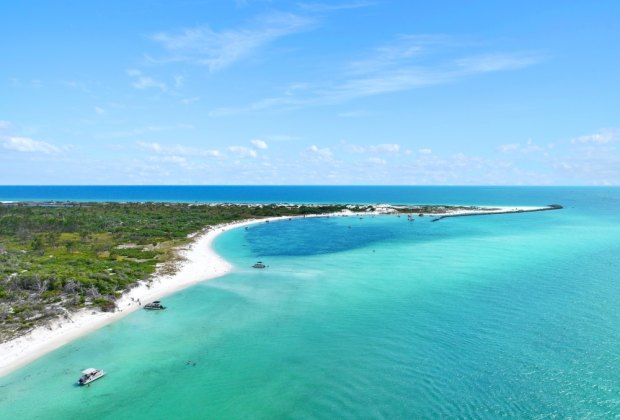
199	263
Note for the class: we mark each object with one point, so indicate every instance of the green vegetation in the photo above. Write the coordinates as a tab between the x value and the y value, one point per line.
58	257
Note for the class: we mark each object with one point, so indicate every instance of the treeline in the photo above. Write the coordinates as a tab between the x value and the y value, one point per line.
54	259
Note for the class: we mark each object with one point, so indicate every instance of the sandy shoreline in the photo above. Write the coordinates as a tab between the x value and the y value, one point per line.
200	263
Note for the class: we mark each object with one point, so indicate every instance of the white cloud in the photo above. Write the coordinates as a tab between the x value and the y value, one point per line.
376	161
142	82
354	148
178	149
425	151
28	145
220	49
389	148
4	124
373	148
401	51
507	148
528	147
324	153
259	144
155	147
602	137
243	151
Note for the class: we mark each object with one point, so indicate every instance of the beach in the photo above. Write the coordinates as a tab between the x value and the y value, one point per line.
198	262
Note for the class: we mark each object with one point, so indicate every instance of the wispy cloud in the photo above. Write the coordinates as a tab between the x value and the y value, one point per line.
497	62
376	161
402	65
243	151
177	149
189	101
220	49
142	82
373	148
403	50
603	136
179	80
507	148
322	153
523	148
28	145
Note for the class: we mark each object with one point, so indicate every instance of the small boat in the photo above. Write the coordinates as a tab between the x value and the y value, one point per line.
154	306
89	375
259	264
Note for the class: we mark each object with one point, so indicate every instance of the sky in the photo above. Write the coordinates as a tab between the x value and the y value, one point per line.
343	92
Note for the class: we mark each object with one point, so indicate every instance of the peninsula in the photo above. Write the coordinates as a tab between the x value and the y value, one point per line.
67	268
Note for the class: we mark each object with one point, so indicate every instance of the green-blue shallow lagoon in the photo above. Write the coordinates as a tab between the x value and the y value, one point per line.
476	317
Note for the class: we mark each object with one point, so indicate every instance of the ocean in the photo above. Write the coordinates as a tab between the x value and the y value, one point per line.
513	315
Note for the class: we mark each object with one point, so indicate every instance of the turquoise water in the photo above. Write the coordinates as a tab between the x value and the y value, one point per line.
476	317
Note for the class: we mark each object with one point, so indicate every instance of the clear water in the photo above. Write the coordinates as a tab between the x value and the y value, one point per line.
482	317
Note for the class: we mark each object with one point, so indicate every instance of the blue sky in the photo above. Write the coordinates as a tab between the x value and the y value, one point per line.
287	92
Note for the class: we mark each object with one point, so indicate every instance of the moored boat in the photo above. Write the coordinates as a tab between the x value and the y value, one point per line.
89	375
154	306
259	264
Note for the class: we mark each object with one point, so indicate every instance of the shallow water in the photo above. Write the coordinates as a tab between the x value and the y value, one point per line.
505	315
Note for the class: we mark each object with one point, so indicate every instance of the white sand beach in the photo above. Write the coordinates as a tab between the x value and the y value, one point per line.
199	263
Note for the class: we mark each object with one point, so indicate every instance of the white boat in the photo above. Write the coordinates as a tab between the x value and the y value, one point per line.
89	375
154	306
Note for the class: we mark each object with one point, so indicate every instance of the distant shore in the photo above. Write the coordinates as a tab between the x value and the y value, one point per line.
199	262
501	210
